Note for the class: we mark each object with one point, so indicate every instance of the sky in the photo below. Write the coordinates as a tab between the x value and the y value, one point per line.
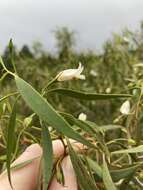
26	21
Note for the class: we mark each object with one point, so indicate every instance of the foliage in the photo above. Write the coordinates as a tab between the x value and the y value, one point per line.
46	109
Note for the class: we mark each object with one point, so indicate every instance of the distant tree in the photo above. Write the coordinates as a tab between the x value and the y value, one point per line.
26	52
65	40
37	48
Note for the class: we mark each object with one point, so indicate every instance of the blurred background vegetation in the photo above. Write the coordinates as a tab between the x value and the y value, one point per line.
109	71
117	69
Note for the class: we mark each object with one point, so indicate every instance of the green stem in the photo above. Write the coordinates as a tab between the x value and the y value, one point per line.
49	84
8	95
4	67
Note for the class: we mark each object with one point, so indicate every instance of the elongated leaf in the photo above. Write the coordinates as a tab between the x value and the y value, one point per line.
110	127
21	164
47	156
107	178
87	96
90	129
130	150
115	174
82	125
11	48
46	112
104	128
124	173
98	135
84	179
95	167
10	141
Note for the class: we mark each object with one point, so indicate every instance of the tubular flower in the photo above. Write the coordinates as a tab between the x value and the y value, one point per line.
125	108
70	74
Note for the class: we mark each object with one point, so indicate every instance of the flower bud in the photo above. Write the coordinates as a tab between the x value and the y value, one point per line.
82	116
125	108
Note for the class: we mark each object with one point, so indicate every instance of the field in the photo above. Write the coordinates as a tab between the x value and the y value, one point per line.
98	103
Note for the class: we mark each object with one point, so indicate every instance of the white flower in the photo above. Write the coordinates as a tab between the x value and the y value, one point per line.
127	40
93	73
125	108
50	128
108	90
82	116
70	74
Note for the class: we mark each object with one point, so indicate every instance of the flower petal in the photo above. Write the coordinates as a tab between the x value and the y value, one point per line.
82	77
125	108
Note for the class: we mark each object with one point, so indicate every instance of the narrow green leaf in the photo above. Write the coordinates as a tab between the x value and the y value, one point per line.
124	172
115	174
104	128
80	124
107	178
98	135
87	96
89	127
46	112
130	150
95	167
47	156
10	141
84	179
110	127
10	45
21	164
11	54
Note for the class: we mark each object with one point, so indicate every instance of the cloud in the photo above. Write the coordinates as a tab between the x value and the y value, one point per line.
29	20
